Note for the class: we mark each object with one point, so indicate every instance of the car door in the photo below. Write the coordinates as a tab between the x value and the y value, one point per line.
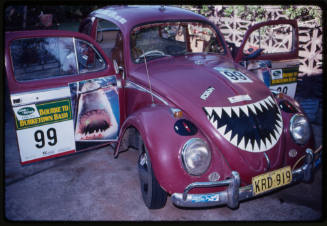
270	49
63	93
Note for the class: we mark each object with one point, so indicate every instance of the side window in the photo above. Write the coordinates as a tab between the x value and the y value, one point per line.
272	39
89	60
107	35
40	58
117	53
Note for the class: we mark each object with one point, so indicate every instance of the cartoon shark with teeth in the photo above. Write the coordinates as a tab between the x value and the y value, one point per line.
254	127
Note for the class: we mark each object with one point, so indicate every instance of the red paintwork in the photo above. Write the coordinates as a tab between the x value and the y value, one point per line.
180	82
59	81
16	86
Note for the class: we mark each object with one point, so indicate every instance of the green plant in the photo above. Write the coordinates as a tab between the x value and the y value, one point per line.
303	13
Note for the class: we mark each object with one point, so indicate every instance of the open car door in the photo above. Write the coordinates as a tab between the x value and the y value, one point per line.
270	49
63	92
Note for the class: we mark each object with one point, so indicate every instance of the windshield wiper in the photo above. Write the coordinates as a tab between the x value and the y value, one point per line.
149	57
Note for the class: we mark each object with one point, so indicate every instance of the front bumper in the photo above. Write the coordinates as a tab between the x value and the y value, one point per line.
234	193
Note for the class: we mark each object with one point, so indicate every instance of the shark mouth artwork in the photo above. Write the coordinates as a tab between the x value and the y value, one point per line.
95	118
254	127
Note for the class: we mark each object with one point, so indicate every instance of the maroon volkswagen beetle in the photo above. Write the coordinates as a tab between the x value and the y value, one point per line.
162	80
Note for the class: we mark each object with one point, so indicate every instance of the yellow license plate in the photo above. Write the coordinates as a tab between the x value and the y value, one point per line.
271	180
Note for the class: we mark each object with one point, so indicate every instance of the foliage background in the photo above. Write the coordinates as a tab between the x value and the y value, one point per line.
233	21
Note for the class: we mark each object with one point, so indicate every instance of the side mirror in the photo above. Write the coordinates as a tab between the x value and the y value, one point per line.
253	54
233	48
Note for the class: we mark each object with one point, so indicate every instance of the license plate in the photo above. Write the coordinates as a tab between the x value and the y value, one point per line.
271	180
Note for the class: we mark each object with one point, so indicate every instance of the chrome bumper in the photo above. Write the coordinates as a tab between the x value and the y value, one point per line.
234	193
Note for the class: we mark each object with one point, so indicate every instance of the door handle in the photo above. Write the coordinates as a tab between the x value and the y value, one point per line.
16	101
122	70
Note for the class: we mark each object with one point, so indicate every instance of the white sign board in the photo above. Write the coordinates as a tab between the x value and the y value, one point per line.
288	89
44	129
47	140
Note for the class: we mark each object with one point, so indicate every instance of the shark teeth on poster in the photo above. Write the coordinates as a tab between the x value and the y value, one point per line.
96	109
254	127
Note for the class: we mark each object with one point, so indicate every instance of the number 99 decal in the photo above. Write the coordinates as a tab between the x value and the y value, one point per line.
233	75
282	89
40	138
47	140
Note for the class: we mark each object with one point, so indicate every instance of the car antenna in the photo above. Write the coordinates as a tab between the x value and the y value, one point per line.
147	73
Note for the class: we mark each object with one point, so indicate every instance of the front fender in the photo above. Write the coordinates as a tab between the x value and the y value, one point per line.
155	125
300	150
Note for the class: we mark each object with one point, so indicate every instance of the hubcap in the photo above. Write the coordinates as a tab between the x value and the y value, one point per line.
143	171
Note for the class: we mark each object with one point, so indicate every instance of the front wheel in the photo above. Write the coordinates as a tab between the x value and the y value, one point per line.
153	195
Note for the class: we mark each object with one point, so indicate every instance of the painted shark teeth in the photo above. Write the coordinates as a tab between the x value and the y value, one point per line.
254	127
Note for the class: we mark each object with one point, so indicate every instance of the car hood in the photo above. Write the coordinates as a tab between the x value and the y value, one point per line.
238	113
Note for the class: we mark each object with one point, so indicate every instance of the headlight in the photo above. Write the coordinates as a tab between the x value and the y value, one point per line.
196	156
300	129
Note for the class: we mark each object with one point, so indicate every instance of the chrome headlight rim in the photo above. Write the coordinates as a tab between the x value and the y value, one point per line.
186	147
292	121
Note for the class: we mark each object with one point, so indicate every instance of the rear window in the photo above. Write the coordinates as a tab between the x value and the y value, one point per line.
40	58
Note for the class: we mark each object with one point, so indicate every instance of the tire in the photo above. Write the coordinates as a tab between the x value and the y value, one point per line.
153	195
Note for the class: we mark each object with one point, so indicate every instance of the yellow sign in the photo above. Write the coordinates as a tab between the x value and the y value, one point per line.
271	180
48	113
285	75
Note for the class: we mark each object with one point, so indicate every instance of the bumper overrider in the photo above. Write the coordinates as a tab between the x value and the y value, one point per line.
234	193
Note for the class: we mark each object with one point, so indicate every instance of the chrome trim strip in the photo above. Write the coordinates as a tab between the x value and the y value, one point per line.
76	59
132	85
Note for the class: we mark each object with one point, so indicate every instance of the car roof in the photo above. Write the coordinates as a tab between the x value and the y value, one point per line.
126	17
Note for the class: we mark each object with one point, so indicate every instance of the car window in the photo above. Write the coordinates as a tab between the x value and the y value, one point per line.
174	38
272	39
107	33
88	58
40	58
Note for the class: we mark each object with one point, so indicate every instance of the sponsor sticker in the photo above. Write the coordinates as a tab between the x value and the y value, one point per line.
42	114
284	76
233	75
206	198
276	74
207	93
26	112
239	98
45	129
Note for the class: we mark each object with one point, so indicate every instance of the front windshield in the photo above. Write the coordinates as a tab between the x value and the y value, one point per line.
156	40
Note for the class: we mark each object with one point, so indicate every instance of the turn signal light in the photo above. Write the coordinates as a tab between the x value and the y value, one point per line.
177	113
280	95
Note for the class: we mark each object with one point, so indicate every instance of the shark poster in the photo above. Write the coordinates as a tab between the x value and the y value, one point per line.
95	105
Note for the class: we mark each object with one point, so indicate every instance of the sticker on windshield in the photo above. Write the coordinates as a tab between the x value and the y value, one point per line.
233	75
